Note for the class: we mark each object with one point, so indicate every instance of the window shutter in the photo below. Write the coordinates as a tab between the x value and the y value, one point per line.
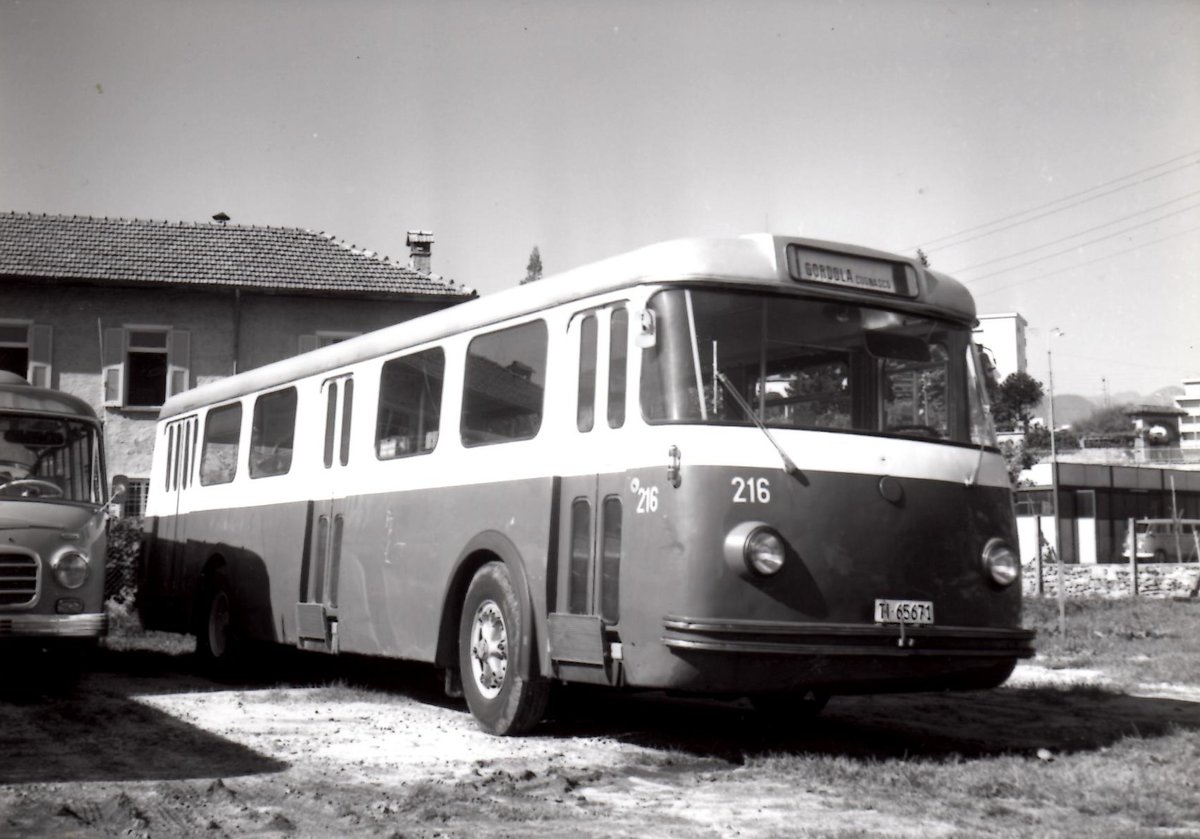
308	343
113	353
40	354
179	347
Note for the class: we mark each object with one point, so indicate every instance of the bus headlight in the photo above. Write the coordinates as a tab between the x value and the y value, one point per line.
754	549
1000	562
70	569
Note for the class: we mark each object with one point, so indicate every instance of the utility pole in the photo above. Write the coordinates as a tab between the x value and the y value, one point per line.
1062	595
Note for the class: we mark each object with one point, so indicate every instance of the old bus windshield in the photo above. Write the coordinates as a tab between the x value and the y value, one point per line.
812	364
47	459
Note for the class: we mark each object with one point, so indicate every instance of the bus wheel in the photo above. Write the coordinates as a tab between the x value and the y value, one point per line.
489	656
794	707
1160	555
215	642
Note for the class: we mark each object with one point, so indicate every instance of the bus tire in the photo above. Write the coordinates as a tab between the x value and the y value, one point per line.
502	700
216	641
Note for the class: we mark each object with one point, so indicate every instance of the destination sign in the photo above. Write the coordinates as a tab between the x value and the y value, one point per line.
843	270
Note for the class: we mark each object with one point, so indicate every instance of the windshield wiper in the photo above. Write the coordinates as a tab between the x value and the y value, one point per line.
789	465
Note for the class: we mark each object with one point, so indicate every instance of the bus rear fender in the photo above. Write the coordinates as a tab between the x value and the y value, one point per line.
488	546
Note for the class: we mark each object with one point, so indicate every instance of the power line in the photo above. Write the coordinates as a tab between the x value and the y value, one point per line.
1081	233
1081	264
932	242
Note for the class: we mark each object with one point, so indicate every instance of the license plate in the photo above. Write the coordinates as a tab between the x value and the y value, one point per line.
903	611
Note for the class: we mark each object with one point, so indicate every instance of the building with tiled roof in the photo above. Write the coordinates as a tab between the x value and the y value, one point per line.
124	312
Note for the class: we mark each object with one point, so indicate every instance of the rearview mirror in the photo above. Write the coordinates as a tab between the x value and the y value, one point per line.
120	486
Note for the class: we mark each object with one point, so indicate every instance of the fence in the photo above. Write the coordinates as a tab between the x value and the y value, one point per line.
1162	579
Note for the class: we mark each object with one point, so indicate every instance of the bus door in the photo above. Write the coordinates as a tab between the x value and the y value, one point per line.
584	644
316	612
182	444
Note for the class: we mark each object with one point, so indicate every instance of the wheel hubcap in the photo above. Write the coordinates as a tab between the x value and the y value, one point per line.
489	649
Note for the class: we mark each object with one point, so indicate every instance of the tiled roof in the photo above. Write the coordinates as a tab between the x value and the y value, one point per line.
232	255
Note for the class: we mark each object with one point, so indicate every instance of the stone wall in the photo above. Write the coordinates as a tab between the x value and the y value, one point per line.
1114	580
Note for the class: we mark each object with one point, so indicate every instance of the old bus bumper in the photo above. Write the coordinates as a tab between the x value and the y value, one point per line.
53	626
839	639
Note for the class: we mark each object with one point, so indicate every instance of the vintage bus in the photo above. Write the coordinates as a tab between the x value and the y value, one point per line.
757	467
53	517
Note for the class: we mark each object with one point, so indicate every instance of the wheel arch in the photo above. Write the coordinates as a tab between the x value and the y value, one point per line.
488	546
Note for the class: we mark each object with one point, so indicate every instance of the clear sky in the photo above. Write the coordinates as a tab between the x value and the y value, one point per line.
591	128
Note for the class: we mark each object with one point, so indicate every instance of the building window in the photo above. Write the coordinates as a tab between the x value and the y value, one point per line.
308	343
25	350
144	365
134	503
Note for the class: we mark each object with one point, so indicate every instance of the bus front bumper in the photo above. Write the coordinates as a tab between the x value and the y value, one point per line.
842	639
53	626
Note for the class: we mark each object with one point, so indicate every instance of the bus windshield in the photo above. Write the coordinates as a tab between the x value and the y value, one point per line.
48	459
811	364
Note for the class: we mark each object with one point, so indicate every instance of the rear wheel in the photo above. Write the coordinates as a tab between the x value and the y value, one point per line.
216	641
490	661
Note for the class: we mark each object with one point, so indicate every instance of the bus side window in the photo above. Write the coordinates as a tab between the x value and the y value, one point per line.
618	351
585	411
172	452
410	404
504	385
273	433
218	460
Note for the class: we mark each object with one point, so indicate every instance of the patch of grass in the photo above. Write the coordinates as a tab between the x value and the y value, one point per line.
125	633
1138	785
1135	640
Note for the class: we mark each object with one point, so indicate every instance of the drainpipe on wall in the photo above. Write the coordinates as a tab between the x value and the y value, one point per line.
237	328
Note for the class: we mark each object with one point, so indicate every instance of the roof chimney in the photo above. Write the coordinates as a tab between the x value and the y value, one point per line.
420	248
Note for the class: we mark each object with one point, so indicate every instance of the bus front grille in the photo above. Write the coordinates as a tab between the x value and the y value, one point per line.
18	579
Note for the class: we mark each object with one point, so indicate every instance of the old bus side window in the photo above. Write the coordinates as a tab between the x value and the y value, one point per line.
504	387
585	410
272	437
618	350
410	404
218	459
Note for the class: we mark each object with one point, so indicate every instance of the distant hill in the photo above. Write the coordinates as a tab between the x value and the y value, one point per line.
1068	409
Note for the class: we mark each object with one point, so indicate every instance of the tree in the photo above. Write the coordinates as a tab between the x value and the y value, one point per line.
1018	395
533	271
1112	420
921	255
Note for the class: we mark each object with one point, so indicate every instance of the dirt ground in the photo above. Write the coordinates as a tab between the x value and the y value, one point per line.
145	746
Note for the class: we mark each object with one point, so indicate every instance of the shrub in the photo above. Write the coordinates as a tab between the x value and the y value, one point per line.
124	548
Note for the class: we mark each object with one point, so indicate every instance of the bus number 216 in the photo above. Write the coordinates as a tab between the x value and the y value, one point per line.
751	490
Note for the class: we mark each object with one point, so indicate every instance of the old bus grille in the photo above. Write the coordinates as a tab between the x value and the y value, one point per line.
18	579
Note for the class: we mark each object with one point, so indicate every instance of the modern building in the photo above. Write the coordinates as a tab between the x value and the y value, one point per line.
1189	422
1002	338
1095	503
124	313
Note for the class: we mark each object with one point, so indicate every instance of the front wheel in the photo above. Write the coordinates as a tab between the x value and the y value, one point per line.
490	662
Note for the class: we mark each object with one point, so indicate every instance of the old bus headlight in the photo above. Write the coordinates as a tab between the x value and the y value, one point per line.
70	569
755	549
1001	562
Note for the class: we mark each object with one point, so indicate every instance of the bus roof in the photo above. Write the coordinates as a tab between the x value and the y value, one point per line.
18	396
757	259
